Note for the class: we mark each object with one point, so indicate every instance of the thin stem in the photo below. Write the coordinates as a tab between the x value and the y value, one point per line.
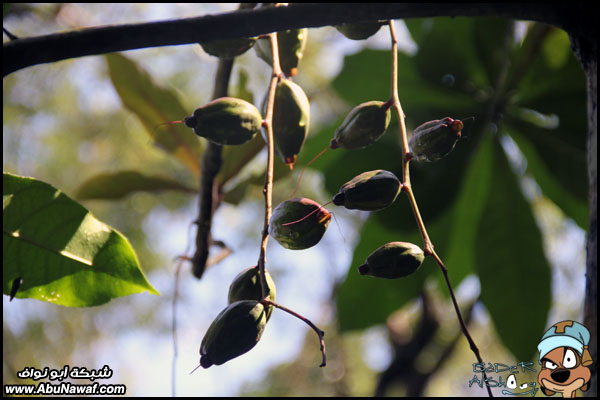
319	332
268	188
406	154
406	187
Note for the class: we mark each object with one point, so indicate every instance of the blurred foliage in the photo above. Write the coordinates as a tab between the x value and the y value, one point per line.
526	87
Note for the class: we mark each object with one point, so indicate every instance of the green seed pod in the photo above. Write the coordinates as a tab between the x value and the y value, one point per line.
359	31
433	140
364	125
226	120
228	48
369	191
393	260
246	286
291	45
291	118
293	227
234	332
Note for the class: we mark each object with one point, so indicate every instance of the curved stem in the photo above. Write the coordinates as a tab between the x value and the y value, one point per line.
319	332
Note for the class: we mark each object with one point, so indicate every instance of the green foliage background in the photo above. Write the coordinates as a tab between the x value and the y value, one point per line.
477	203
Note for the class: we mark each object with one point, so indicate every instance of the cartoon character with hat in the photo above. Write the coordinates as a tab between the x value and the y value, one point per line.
565	359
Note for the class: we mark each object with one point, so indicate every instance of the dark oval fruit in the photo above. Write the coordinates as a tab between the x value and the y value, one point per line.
435	139
359	31
369	191
228	48
235	331
226	120
393	260
364	125
291	119
303	234
291	45
246	286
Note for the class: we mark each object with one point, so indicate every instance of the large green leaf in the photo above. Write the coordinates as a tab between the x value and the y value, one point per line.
155	105
60	251
491	36
555	92
421	100
119	184
571	205
512	267
466	214
447	58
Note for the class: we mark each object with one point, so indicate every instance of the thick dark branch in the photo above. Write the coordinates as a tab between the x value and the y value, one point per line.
22	53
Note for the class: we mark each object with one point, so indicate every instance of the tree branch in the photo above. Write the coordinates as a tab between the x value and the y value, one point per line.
22	53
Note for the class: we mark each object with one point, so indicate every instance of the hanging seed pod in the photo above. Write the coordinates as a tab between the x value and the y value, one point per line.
291	45
234	332
433	140
359	31
226	120
246	286
364	125
369	191
393	260
291	227
291	118
228	48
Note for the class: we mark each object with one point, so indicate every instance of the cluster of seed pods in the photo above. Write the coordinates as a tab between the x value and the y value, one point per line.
300	223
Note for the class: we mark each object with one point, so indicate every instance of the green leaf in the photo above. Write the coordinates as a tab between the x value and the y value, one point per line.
421	100
556	49
116	185
241	90
466	214
447	58
571	205
364	301
154	106
62	253
490	36
512	267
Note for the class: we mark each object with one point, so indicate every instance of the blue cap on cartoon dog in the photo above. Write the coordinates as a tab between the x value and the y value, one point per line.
566	334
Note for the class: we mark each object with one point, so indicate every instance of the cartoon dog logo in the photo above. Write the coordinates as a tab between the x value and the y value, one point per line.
565	359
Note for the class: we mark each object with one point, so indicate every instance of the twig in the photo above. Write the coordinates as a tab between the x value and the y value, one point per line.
268	188
319	332
406	187
10	35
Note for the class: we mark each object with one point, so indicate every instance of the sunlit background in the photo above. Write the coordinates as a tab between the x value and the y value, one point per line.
64	122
